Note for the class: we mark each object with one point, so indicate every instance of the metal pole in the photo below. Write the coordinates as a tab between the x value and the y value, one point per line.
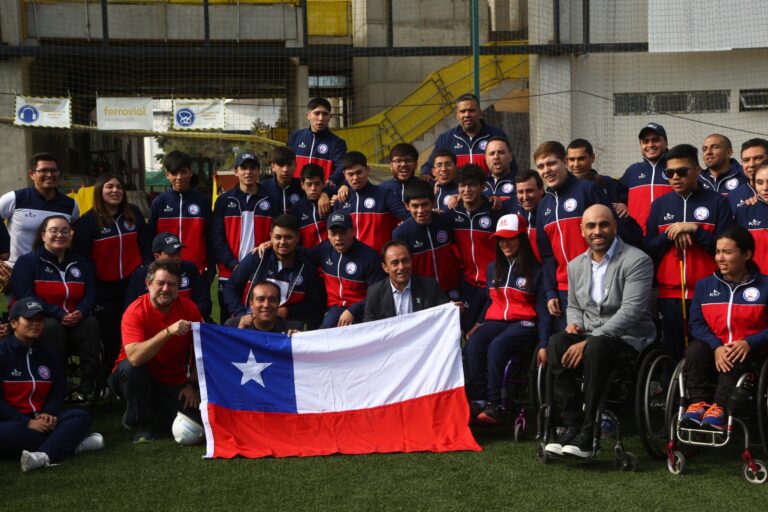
206	23
390	25
104	23
475	15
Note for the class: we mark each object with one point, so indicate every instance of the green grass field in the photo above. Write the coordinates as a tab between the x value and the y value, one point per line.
505	475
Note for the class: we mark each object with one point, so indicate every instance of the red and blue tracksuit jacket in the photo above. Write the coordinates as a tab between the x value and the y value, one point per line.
472	235
61	287
347	275
283	198
192	286
726	184
375	213
115	250
300	287
711	212
467	150
443	193
188	216
240	223
558	220
312	227
723	312
432	250
31	381
323	148
397	187
754	217
503	187
515	299
645	183
740	195
530	216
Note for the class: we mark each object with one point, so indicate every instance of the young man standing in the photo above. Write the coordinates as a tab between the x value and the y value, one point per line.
529	189
402	162
429	238
282	188
680	235
645	180
317	144
311	218
444	174
374	210
185	212
753	153
501	180
723	173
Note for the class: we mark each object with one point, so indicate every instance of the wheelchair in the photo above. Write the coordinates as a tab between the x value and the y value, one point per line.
637	382
522	386
748	404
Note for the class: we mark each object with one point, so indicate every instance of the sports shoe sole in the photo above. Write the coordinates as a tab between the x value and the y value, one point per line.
575	451
554	449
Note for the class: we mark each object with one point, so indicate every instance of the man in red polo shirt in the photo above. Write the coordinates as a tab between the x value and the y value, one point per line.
153	371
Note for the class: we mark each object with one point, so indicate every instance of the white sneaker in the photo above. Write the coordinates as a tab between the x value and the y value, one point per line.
92	442
34	460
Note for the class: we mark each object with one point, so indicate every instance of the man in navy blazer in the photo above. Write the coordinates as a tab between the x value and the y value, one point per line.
403	292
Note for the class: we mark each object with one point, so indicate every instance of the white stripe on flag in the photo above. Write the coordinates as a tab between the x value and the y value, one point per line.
378	363
200	366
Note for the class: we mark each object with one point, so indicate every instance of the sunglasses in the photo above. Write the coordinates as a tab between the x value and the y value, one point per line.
183	170
681	172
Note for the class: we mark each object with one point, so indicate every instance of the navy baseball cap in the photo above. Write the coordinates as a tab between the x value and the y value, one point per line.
244	157
653	127
339	220
167	243
26	307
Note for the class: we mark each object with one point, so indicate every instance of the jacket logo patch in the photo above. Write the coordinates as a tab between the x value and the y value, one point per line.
458	145
299	280
641	176
754	223
304	216
351	268
104	231
294	197
232	204
485	222
75	272
731	183
482	145
184	281
44	372
128	225
527	323
521	283
668	216
459	218
417	244
507	188
48	269
570	204
168	208
329	262
369	202
442	236
322	149
264	205
302	145
701	213
751	294
547	212
193	209
15	373
714	293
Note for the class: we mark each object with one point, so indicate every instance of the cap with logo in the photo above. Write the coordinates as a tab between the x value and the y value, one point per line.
245	157
339	220
26	307
509	226
653	127
167	243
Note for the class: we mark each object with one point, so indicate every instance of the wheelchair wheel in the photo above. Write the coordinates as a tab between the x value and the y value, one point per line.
757	474
762	405
519	432
653	382
677	465
536	383
673	394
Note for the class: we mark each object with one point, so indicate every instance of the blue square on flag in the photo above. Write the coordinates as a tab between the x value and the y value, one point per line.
248	370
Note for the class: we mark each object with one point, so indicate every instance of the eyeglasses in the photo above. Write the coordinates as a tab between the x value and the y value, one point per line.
401	161
183	170
444	165
48	171
59	231
681	172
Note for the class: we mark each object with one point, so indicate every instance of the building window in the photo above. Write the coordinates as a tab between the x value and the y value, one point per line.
753	99
678	102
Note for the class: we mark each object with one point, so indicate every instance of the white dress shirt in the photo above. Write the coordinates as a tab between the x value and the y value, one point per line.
402	299
599	271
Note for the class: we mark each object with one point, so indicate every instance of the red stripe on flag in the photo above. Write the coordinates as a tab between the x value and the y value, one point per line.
436	423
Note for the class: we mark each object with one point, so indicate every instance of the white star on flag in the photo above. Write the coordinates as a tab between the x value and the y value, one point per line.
251	370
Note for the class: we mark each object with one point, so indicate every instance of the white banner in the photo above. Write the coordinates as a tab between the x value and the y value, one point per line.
124	113
43	112
199	114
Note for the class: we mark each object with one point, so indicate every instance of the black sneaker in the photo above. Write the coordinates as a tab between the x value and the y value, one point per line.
491	415
580	446
475	408
556	447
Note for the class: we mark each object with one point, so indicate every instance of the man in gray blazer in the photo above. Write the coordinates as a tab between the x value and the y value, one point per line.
609	316
403	292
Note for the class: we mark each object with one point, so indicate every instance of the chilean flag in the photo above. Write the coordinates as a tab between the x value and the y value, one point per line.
393	385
